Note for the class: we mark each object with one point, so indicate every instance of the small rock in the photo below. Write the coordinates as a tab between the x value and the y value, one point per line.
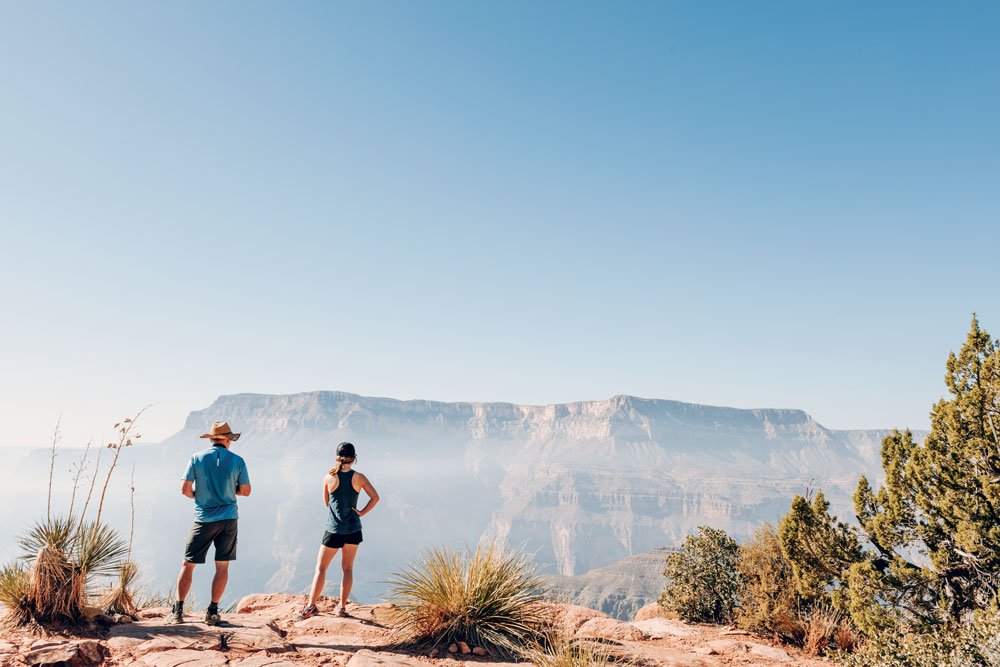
252	603
652	610
453	648
658	628
728	646
479	650
603	627
87	653
464	648
770	652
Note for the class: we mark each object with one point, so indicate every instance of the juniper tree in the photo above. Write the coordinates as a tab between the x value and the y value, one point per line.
935	523
819	547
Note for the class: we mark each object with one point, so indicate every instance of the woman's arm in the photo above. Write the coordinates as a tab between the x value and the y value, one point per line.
326	491
372	496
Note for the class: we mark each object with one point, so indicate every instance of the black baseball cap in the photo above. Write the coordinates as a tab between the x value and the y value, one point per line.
346	450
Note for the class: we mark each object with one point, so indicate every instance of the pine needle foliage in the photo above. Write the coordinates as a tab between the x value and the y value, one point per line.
972	644
488	597
941	499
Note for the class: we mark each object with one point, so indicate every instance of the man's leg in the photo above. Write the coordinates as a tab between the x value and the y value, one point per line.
347	564
323	559
220	580
184	581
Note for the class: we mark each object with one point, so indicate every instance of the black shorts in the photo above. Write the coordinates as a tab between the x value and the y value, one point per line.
220	533
337	540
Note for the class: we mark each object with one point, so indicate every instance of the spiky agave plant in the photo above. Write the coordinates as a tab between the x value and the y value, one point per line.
53	588
488	598
64	557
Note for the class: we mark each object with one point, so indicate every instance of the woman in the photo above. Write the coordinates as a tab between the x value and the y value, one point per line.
341	488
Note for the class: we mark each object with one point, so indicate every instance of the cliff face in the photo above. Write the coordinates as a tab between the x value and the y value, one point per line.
619	590
580	485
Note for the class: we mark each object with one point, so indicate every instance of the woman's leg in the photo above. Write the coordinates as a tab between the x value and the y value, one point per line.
323	559
347	580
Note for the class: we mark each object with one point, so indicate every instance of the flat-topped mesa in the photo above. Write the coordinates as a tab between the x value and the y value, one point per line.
623	417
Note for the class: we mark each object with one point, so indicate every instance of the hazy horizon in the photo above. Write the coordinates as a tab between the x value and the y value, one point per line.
45	439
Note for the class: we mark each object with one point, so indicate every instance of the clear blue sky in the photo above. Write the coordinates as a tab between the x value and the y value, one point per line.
749	204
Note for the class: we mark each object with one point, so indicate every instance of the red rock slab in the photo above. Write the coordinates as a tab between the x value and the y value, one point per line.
181	657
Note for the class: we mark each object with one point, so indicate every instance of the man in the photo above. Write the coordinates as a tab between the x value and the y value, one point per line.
213	479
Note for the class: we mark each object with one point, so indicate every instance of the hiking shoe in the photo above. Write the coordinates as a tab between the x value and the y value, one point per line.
176	616
212	617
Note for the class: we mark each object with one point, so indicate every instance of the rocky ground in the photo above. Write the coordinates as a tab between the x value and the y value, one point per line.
263	633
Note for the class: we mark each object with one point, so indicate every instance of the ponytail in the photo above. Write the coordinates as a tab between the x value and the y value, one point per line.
341	460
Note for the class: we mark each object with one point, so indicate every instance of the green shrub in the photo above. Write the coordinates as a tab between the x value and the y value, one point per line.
974	644
769	605
488	598
703	578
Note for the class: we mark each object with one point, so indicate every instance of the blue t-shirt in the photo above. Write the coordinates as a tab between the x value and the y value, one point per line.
217	474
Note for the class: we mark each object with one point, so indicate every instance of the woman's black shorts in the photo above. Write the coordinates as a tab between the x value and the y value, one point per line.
337	540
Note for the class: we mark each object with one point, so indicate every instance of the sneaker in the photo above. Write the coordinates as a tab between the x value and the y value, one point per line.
176	615
306	612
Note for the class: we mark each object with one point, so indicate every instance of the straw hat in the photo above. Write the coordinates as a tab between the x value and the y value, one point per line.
221	430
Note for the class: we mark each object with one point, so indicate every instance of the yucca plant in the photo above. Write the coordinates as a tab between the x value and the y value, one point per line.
63	557
488	598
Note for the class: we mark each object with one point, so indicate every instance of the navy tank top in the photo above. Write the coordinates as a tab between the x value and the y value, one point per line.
342	519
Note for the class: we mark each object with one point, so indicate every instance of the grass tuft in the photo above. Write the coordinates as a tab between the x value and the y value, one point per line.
14	594
561	651
486	598
121	597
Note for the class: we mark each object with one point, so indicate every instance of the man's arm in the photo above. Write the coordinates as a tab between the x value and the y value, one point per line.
187	487
243	482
